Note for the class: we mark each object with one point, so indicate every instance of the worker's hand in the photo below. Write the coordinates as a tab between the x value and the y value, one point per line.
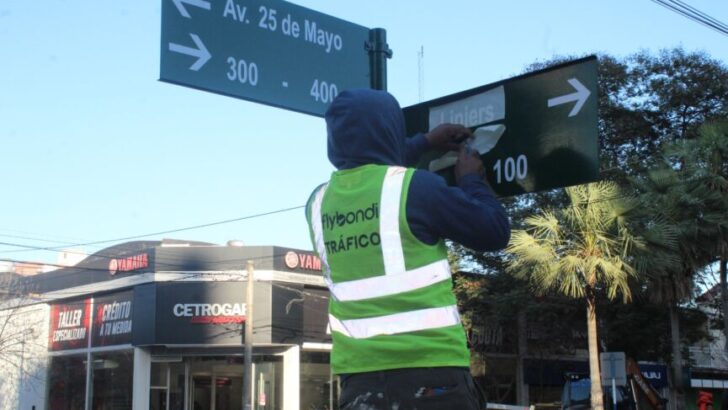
469	162
447	137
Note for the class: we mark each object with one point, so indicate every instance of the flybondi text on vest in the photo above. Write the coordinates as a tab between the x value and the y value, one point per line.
340	219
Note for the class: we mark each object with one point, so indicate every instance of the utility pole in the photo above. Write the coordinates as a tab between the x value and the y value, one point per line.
248	373
421	73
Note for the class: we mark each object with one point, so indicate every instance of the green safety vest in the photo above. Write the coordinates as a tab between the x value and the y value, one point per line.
391	304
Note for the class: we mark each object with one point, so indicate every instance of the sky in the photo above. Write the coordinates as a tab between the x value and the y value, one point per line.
94	147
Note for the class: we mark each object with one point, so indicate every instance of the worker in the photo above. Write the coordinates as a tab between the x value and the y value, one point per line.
379	229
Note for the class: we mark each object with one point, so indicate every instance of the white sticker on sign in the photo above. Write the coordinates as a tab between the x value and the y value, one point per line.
475	110
484	139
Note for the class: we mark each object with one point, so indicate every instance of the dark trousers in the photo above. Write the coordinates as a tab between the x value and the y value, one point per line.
409	389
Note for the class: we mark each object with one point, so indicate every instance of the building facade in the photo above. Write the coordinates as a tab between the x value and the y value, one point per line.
161	325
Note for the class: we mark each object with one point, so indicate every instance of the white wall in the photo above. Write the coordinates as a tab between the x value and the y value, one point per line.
23	355
291	378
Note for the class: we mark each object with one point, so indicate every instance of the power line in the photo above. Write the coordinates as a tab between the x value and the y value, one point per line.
74	271
28	248
20	308
77	270
59	238
700	13
30	238
694	14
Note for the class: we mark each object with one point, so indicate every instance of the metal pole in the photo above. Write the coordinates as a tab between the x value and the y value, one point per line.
247	375
89	357
614	393
379	52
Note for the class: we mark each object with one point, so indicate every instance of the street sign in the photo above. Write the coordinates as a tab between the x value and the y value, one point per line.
534	132
614	366
267	51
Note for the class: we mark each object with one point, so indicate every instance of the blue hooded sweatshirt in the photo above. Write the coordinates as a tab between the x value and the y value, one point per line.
367	127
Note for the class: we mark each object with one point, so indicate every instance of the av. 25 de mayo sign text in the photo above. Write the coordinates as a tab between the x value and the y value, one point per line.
533	132
268	51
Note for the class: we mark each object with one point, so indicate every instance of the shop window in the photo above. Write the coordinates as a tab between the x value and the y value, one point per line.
167	386
318	388
112	380
67	383
268	383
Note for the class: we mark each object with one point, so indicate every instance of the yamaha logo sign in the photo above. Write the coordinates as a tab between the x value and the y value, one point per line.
291	260
302	261
128	264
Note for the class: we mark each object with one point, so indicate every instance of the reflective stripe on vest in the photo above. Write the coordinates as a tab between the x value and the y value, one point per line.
396	279
391	284
319	233
389	221
397	323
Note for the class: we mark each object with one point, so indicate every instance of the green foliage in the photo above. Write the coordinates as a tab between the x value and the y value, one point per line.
689	194
660	99
581	247
648	247
556	325
641	329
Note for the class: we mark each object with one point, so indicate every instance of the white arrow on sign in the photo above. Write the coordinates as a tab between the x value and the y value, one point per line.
200	52
197	3
580	96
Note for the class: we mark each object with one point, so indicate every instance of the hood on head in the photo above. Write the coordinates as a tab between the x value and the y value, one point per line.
365	127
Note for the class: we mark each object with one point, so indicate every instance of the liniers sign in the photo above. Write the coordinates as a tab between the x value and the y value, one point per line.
534	132
267	51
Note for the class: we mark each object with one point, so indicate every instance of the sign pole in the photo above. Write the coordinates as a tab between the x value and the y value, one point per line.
379	52
247	376
614	393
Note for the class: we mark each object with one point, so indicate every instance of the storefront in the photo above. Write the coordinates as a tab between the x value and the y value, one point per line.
161	326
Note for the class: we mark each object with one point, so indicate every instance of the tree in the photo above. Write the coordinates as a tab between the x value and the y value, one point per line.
645	103
650	101
578	251
641	328
705	167
689	191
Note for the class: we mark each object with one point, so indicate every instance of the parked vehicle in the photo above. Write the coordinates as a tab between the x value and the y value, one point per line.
638	394
577	394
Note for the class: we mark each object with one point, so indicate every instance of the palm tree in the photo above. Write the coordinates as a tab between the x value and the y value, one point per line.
579	251
705	167
665	198
690	193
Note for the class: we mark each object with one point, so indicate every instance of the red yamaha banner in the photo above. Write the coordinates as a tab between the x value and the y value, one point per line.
70	325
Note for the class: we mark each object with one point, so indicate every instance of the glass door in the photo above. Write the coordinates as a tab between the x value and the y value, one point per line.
228	392
202	394
216	383
167	385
